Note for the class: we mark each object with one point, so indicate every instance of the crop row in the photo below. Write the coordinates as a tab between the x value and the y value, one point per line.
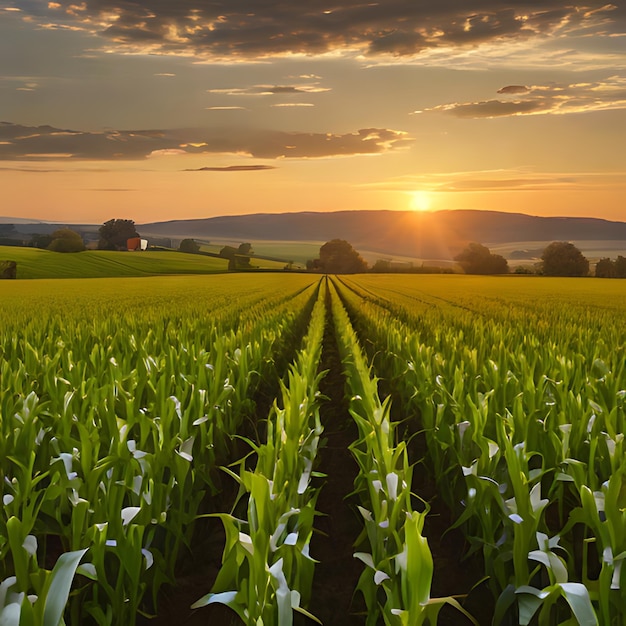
124	412
399	562
112	427
267	570
523	421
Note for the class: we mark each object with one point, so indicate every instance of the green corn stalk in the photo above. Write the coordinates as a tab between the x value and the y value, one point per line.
267	572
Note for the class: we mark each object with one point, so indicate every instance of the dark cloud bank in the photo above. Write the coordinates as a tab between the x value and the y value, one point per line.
260	28
18	142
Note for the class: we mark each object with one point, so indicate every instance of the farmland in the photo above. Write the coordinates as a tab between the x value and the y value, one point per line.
35	263
145	420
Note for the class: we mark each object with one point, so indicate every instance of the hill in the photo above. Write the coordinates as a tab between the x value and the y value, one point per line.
35	263
436	235
403	235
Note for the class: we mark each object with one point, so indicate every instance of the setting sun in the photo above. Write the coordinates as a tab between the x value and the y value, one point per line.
420	201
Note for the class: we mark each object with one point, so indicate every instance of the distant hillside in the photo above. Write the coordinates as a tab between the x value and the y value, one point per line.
401	234
436	235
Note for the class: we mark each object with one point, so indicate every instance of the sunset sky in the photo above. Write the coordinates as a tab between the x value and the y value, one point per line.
172	109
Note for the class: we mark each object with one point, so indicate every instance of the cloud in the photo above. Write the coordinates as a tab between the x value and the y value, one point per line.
31	171
220	108
22	83
293	104
557	99
41	143
503	180
269	90
514	89
233	168
249	30
36	168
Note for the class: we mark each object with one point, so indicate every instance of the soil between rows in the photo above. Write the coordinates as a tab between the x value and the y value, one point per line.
334	601
337	573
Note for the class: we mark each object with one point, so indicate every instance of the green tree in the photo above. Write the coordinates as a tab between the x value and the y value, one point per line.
338	257
66	240
189	245
478	259
8	270
605	268
40	241
236	259
115	233
562	258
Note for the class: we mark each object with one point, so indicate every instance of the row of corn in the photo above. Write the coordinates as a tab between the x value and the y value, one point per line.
267	571
523	420
114	423
111	429
396	582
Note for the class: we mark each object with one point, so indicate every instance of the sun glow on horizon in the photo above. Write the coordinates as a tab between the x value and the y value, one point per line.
420	201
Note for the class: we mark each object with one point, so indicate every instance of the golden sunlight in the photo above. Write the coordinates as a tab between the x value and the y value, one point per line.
420	201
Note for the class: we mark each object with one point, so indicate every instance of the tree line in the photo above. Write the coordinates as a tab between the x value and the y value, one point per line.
560	258
337	256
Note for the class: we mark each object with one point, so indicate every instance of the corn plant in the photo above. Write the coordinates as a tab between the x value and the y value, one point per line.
267	571
399	561
113	425
522	409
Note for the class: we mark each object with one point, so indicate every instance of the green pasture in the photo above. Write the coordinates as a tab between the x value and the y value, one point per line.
35	263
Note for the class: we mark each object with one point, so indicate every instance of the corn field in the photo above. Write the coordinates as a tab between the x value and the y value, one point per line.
137	413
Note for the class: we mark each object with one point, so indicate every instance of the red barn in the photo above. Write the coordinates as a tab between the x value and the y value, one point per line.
133	244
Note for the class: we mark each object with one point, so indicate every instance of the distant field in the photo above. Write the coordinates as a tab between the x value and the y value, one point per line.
592	249
298	252
526	252
35	263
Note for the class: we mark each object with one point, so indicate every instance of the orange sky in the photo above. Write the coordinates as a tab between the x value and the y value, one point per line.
156	110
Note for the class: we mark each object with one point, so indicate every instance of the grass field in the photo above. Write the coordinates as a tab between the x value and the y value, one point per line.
35	263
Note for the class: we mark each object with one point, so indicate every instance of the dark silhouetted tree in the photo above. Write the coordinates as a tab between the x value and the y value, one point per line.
245	248
562	258
115	233
236	259
66	240
478	259
620	266
338	257
40	241
605	268
8	270
189	245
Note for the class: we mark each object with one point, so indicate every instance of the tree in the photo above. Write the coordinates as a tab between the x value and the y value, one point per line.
189	245
245	248
40	241
605	268
8	270
66	240
338	257
115	233
236	258
562	258
478	259
620	266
